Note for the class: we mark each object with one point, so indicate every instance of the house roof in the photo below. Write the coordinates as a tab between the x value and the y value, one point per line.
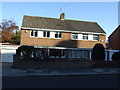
57	24
117	29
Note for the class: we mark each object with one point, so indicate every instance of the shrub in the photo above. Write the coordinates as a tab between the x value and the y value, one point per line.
116	56
98	52
24	51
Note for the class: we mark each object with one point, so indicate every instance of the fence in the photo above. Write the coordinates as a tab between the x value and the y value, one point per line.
8	51
81	53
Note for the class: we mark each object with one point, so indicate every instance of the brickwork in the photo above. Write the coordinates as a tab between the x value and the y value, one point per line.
114	40
64	42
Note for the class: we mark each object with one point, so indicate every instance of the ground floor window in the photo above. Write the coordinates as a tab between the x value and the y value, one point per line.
81	54
77	54
57	52
86	54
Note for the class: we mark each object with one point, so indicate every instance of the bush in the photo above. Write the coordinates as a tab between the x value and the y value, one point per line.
98	52
116	56
24	51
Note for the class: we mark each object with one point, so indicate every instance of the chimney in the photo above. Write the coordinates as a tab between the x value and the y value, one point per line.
62	16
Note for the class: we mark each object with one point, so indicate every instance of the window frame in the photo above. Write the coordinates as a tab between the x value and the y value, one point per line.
84	35
94	36
59	35
76	35
46	34
33	32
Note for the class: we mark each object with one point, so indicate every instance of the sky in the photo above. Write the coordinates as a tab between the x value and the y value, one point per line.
104	13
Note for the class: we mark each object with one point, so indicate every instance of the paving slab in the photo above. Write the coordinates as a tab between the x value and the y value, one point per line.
7	70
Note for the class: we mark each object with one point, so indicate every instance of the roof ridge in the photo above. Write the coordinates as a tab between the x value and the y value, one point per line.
59	19
41	17
80	21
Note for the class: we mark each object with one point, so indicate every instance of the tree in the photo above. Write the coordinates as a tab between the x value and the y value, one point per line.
98	52
16	37
8	27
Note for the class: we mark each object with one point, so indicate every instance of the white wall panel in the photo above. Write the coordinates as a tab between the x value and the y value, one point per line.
80	36
52	34
40	33
90	37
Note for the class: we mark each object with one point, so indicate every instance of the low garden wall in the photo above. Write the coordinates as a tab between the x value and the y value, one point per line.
62	63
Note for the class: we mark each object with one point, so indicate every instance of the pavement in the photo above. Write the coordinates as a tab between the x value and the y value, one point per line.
7	70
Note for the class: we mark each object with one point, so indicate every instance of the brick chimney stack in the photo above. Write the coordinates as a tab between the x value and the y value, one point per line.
62	16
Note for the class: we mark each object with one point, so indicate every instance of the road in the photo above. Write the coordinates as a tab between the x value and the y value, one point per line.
93	81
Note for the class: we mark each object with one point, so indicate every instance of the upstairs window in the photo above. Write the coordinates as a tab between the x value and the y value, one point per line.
78	36
34	33
85	36
46	34
96	37
74	36
58	34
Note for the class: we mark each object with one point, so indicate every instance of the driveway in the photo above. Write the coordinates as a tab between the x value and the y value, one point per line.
7	52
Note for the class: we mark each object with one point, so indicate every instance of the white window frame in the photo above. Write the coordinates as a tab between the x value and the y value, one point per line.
76	35
46	34
59	35
40	34
84	36
33	33
94	36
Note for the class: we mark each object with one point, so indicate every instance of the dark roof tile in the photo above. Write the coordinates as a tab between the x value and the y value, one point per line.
54	23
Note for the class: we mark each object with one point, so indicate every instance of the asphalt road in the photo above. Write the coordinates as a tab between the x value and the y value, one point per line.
99	81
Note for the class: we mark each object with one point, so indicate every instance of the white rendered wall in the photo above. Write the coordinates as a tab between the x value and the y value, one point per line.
52	34
40	33
90	37
80	36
